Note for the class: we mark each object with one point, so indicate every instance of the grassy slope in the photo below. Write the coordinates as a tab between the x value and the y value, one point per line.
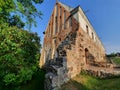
116	60
85	82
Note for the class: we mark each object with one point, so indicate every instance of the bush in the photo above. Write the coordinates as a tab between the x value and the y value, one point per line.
19	55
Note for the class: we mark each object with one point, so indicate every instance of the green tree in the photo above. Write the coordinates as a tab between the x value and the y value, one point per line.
12	9
19	55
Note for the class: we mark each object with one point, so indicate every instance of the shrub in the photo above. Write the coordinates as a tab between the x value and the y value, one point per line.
19	54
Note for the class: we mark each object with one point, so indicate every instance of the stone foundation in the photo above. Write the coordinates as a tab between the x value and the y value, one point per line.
57	74
102	72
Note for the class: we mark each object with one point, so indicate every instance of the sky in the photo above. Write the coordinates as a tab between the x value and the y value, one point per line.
104	15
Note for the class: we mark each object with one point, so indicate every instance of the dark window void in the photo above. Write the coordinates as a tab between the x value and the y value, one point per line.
86	55
70	21
50	30
60	11
54	41
87	29
64	19
60	26
56	25
56	21
92	35
56	10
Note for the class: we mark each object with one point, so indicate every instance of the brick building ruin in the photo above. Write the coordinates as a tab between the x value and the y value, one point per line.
70	43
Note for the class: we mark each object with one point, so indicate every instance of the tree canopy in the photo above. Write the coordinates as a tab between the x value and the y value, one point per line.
19	49
19	12
19	55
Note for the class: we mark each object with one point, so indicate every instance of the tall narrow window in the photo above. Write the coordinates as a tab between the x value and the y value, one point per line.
56	25
60	26
54	41
92	35
64	19
87	29
60	11
56	10
52	25
50	29
56	21
70	21
47	32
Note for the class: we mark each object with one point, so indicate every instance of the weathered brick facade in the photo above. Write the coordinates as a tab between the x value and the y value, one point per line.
69	35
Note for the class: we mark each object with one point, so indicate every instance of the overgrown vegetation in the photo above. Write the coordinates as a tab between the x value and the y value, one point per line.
19	49
19	55
85	82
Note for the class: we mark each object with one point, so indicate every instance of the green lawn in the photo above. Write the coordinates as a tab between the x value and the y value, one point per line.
116	60
85	82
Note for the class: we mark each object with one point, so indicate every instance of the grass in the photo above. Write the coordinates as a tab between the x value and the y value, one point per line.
116	60
85	82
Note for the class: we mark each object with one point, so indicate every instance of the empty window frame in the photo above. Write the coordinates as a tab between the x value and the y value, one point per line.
64	19
92	35
50	29
56	24
56	21
87	29
56	10
60	11
70	21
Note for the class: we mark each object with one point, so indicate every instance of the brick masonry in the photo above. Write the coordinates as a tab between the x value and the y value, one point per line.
70	38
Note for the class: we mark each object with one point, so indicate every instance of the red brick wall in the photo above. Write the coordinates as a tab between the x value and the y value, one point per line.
77	41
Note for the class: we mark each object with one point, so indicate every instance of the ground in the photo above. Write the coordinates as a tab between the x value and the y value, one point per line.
85	82
116	60
80	82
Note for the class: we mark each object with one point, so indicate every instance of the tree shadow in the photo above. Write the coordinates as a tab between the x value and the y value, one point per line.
73	85
37	82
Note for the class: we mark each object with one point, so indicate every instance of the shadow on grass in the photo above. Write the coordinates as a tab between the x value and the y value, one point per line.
73	85
37	83
86	82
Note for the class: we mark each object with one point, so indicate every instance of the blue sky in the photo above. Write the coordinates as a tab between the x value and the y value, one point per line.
104	16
